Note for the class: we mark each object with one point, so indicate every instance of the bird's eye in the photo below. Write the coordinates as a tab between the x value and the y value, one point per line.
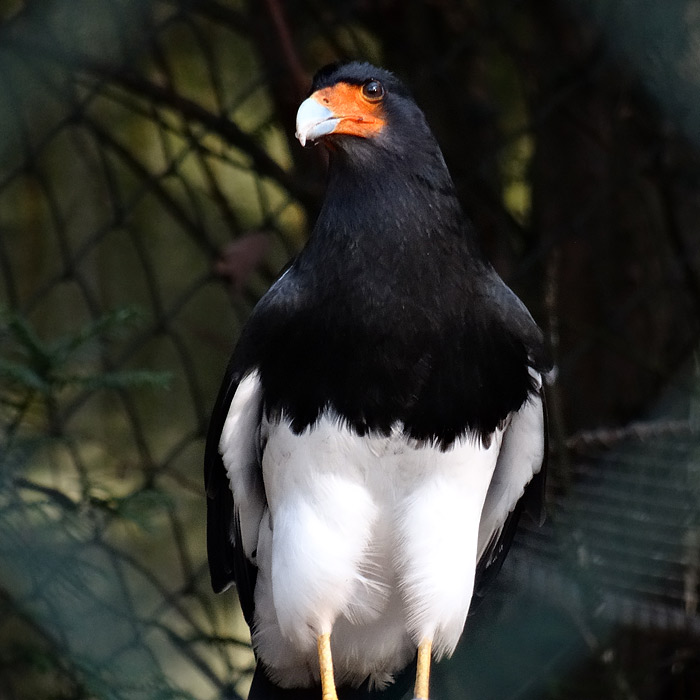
373	90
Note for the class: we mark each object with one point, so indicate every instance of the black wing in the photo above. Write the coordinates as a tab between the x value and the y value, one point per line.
506	518
518	483
228	562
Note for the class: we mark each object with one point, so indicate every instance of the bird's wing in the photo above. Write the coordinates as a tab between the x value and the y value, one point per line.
508	310
517	484
232	465
519	477
236	497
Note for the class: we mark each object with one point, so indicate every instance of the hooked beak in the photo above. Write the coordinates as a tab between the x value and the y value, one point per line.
314	121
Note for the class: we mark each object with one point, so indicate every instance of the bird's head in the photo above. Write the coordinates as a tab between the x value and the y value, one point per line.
354	107
386	172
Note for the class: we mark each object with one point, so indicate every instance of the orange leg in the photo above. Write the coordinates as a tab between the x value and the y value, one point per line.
425	649
325	661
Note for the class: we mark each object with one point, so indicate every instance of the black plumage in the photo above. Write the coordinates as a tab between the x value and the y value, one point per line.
389	316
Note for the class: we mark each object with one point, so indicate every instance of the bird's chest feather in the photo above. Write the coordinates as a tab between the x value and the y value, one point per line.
440	376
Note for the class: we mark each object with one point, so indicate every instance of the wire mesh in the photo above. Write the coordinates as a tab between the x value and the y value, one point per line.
150	190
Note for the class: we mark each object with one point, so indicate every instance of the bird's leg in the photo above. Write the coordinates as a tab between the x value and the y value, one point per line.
325	660
425	649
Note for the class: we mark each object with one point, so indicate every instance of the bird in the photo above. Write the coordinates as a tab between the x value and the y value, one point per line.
381	424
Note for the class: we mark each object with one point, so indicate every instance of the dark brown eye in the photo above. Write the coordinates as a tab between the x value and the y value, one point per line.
373	90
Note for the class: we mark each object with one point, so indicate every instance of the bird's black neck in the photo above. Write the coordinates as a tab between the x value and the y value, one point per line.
391	200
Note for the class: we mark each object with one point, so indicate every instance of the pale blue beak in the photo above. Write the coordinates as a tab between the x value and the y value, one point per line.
314	121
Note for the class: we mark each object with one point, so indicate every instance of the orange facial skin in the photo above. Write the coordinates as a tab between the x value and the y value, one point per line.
359	116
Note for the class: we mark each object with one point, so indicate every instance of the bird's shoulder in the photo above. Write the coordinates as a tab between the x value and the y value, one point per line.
443	355
506	310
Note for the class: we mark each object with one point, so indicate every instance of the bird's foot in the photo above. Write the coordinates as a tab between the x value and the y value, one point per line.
325	661
425	649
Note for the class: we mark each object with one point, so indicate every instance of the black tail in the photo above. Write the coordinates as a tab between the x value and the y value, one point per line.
263	689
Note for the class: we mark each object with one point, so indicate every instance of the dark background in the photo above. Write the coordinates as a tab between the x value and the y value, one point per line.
151	188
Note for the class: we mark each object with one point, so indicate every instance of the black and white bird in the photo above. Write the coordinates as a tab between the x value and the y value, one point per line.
381	422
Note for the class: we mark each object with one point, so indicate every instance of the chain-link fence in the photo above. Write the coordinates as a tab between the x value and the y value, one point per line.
151	188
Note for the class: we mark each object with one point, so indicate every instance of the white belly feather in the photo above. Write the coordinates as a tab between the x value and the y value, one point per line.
374	538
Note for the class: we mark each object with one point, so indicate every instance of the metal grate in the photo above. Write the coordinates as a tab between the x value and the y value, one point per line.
151	188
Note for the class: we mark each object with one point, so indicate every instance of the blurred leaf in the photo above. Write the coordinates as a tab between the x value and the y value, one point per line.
23	375
118	379
143	507
105	327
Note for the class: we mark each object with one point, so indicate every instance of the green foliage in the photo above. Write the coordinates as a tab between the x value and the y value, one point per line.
73	584
31	364
142	507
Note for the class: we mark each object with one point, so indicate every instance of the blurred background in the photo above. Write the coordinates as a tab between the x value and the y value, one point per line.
150	190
